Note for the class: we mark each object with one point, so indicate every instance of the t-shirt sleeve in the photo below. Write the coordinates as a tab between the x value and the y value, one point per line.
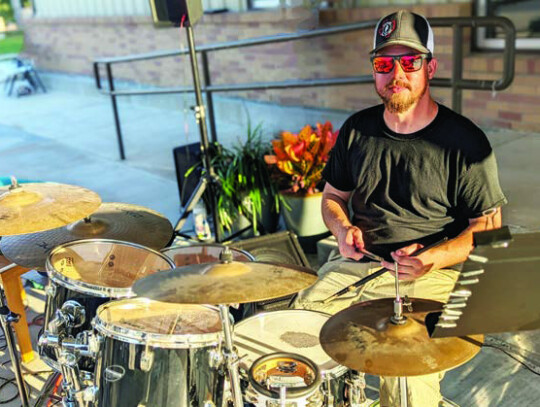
479	187
337	171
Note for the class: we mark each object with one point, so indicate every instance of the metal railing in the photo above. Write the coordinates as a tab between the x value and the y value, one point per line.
456	82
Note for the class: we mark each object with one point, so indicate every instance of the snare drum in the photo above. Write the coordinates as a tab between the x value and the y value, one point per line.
202	253
87	273
155	354
297	332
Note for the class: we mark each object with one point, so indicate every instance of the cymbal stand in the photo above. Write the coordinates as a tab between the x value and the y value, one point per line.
6	319
399	319
231	357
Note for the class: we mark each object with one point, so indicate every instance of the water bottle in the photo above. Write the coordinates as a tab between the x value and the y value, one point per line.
202	228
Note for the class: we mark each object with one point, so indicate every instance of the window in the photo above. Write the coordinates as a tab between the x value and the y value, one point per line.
525	14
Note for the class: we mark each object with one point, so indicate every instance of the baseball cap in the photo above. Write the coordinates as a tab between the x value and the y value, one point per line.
403	28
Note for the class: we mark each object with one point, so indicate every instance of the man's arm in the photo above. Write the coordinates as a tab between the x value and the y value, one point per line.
452	252
337	218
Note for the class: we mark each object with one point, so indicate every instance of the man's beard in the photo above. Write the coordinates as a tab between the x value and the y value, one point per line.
400	102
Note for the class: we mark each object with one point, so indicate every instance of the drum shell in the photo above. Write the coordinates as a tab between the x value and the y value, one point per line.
176	377
90	295
138	366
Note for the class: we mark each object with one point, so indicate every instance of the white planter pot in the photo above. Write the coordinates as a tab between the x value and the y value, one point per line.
304	217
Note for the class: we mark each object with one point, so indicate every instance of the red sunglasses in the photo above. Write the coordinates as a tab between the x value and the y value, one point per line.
409	63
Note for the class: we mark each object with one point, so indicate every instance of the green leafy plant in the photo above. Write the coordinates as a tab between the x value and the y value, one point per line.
245	186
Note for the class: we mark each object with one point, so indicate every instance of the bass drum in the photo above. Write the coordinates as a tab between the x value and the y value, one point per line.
87	273
156	354
295	332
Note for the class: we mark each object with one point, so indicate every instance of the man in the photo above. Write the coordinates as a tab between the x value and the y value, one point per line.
413	173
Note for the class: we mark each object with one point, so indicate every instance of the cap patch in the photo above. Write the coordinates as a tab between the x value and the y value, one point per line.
387	28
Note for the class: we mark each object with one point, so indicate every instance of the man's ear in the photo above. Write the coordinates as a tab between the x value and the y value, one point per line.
432	68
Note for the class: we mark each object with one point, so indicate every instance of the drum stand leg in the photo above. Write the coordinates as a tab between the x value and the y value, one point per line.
231	357
6	319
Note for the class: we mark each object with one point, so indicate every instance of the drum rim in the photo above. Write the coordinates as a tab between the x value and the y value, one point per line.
293	392
127	335
170	249
88	288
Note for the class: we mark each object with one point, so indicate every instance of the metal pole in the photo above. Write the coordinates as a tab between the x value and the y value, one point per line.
403	391
6	318
115	113
231	357
457	68
209	96
201	120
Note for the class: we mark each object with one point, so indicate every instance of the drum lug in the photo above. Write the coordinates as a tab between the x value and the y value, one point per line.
147	360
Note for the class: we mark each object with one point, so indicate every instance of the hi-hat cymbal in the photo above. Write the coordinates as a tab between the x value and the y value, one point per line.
29	208
225	283
118	221
363	338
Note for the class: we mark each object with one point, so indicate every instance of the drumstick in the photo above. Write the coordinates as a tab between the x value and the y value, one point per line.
378	273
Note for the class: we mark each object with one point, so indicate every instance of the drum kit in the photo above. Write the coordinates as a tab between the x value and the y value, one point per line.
128	325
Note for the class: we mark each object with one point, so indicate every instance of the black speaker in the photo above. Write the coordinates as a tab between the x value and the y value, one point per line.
282	247
187	158
174	10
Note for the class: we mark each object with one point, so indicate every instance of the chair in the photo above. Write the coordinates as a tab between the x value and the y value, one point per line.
24	71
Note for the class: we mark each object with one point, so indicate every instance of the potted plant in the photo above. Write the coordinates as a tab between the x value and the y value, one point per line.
298	161
246	189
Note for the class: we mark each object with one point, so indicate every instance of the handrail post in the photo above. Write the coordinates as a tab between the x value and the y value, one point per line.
457	68
96	75
115	112
209	96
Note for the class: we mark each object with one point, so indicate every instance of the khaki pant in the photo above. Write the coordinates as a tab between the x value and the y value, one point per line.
423	391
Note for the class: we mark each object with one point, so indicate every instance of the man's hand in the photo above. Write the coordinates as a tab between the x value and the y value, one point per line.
409	267
351	243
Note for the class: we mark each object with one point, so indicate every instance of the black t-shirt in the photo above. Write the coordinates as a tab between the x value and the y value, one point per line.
417	187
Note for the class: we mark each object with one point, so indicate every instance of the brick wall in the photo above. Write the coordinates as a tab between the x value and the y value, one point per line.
71	45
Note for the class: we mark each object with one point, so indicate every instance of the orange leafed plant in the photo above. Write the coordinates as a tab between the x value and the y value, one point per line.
300	158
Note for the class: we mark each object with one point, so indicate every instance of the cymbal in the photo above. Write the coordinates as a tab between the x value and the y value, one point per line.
30	208
363	338
225	283
118	221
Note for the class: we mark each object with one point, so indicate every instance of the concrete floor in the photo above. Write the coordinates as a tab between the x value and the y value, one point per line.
67	136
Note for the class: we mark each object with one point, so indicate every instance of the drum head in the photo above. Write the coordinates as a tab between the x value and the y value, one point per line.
166	325
102	267
293	331
202	253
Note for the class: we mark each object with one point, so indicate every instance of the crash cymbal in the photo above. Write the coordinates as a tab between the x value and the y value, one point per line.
118	221
29	208
363	338
225	283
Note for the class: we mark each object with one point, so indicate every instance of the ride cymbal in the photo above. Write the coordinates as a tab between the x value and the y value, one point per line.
118	221
29	208
362	337
225	283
